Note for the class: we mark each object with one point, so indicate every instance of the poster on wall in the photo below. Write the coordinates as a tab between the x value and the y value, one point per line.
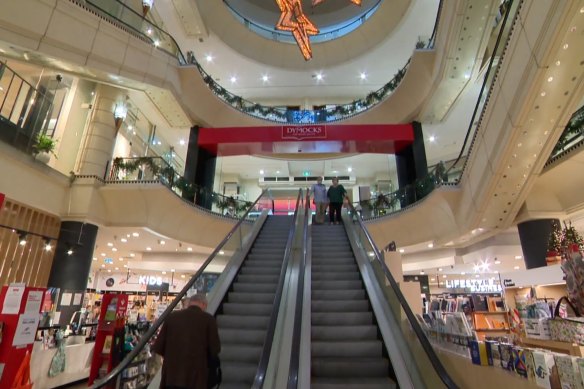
11	304
26	329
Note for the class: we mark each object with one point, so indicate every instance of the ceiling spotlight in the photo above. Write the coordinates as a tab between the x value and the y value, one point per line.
318	76
124	240
221	252
110	244
262	172
430	245
349	169
516	267
233	79
70	251
94	258
189	249
518	257
181	142
148	248
162	242
432	138
265	78
114	249
466	76
497	262
402	250
22	238
182	276
48	246
462	273
209	58
363	76
132	255
163	272
135	234
439	269
422	272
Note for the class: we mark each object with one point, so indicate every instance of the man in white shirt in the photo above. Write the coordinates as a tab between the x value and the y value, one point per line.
320	200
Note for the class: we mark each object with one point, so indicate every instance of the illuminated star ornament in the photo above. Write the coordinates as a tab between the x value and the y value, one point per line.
293	19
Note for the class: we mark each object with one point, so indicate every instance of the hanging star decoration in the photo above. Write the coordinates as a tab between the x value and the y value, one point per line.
293	19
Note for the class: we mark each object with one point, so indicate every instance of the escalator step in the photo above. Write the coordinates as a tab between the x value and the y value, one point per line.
241	353
237	373
336	285
251	298
259	270
241	336
247	309
244	322
355	383
348	333
335	276
343	295
341	319
258	278
254	288
340	306
357	349
349	367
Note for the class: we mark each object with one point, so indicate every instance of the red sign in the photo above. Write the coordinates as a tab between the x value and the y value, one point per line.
304	132
2	196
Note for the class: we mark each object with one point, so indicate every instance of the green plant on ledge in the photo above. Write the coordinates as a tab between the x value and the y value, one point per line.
45	144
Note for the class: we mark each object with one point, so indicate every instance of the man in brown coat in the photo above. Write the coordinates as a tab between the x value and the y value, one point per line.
186	339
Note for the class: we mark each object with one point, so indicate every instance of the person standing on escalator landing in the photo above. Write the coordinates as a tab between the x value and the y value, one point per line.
336	194
186	341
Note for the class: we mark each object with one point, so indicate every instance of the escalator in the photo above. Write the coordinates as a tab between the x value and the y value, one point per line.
346	350
244	315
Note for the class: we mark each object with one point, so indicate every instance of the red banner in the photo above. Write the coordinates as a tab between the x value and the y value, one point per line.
2	197
308	138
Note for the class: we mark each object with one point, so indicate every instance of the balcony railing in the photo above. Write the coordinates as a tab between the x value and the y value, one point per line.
571	138
148	169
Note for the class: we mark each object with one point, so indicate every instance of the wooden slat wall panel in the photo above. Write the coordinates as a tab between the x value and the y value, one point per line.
30	263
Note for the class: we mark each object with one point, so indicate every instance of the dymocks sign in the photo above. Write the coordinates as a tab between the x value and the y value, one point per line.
304	132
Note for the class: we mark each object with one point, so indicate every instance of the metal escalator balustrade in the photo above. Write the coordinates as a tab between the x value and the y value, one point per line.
346	349
419	358
235	245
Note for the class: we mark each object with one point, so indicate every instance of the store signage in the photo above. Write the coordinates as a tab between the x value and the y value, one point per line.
2	197
508	283
149	280
303	132
479	286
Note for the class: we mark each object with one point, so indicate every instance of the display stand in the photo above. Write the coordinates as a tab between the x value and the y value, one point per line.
28	314
109	341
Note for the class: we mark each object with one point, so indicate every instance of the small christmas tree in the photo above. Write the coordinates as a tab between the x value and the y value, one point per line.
555	240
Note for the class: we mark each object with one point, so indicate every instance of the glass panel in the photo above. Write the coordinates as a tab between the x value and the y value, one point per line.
11	96
424	368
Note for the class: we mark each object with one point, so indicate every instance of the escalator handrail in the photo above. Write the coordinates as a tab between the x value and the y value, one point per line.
269	339
154	327
429	350
297	330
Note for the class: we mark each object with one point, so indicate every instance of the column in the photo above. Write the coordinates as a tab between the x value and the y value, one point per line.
534	236
412	166
70	269
200	170
101	132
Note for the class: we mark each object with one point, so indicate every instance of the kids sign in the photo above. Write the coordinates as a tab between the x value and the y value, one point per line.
150	280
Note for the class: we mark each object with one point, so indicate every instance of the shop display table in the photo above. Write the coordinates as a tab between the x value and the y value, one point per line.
77	363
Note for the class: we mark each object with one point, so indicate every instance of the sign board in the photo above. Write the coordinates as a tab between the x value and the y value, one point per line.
476	286
304	132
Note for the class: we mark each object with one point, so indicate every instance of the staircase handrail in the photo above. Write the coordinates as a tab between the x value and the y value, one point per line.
154	327
297	331
267	348
419	332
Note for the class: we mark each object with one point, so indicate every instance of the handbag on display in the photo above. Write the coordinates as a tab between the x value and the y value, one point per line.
569	329
22	378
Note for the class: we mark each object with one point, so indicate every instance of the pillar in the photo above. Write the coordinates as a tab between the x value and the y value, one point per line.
534	236
101	132
69	272
200	170
412	166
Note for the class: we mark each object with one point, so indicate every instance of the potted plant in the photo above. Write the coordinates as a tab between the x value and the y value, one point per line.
44	147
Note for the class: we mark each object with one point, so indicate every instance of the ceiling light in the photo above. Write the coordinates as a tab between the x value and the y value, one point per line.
349	169
363	76
462	273
466	76
318	76
497	262
277	172
102	254
516	267
149	31
209	58
135	234
181	142
542	94
432	138
233	79
262	172
189	249
132	255
477	276
182	276
518	257
172	270
432	279
109	270
265	78
114	249
22	238
120	259
565	46
402	250
110	244
430	245
94	258
163	272
148	248
124	240
156	43
439	269
117	268
550	79
422	272
162	242
102	265
70	251
221	252
444	276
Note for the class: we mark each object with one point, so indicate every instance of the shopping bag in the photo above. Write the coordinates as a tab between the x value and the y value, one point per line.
22	378
570	329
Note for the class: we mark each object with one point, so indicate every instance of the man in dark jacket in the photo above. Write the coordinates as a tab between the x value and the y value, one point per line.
186	340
